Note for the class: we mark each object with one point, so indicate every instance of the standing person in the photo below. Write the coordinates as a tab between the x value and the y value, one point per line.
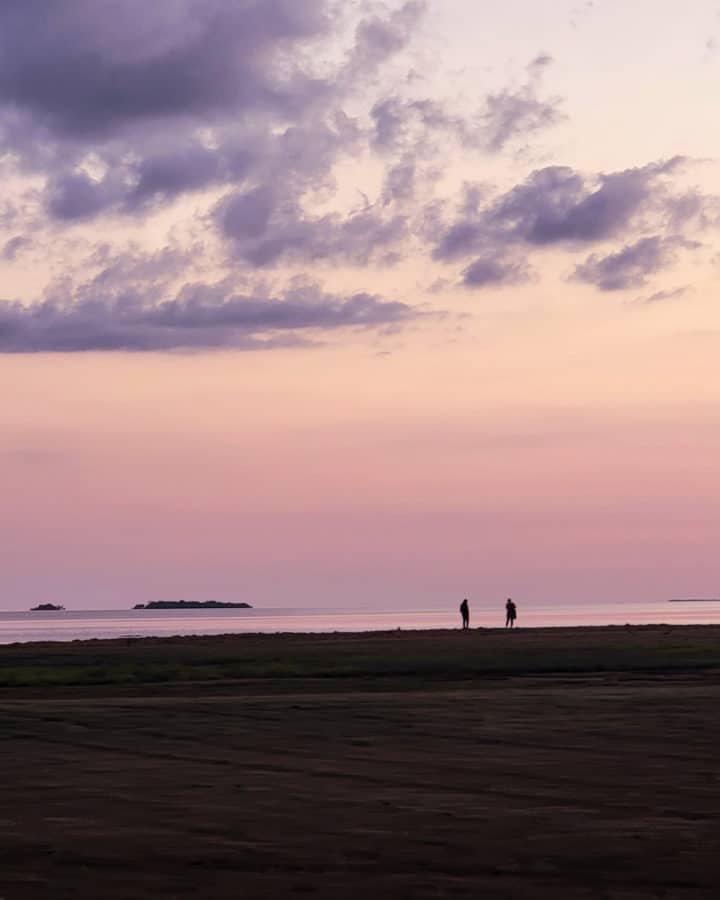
510	613
465	613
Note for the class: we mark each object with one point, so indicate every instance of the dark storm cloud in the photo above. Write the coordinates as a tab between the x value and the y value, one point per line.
200	316
631	266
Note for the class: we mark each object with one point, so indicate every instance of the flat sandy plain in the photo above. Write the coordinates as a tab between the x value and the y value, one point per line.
559	763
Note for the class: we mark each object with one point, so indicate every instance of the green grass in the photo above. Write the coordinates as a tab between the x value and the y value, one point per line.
430	656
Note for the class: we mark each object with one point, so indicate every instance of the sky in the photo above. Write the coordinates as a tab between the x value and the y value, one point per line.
343	302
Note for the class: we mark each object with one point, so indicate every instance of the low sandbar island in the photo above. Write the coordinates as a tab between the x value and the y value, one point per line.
191	604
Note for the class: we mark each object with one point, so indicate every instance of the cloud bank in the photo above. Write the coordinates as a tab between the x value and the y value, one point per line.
560	208
247	129
200	317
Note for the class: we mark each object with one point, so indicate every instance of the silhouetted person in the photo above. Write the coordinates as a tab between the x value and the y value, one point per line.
465	613
510	614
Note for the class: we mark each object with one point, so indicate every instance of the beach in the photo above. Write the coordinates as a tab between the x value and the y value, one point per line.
564	763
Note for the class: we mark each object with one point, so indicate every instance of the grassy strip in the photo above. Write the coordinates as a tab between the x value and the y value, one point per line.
431	655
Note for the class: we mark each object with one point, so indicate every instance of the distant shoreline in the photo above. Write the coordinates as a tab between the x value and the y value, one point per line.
184	621
534	633
697	600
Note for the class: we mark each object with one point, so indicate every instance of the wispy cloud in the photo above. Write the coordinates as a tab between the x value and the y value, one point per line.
631	266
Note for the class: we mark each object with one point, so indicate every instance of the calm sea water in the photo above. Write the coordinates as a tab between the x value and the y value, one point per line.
86	624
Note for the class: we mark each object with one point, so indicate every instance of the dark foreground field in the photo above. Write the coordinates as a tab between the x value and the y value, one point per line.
545	764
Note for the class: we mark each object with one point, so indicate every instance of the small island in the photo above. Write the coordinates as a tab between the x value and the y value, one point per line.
47	607
696	600
191	604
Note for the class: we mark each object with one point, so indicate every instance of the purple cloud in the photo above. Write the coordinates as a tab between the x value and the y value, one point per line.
377	38
662	296
505	116
494	271
93	67
557	206
631	266
400	182
13	247
200	316
265	227
183	95
119	107
520	112
76	196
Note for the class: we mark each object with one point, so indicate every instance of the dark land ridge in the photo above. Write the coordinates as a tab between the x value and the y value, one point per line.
575	764
47	607
696	600
191	604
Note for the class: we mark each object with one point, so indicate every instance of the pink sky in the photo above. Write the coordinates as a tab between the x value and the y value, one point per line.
426	329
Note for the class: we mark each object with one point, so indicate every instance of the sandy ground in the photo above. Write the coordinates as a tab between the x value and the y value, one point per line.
553	786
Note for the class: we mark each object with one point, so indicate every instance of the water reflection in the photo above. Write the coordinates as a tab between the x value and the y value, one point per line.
73	625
